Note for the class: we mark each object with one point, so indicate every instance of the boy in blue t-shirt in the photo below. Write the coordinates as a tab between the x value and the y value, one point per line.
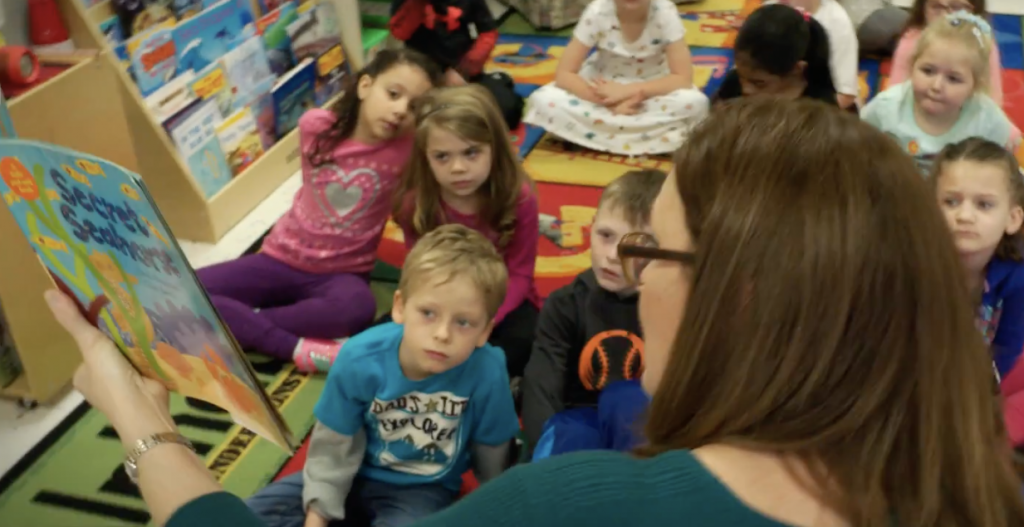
407	404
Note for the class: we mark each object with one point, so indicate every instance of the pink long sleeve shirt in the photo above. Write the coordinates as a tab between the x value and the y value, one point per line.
902	64
520	254
338	216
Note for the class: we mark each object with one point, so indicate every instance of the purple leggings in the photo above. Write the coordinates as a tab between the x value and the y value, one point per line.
292	303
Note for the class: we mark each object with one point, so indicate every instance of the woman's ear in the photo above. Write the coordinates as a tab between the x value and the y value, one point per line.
363	86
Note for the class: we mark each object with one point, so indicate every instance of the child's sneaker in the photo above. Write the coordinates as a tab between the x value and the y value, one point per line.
316	355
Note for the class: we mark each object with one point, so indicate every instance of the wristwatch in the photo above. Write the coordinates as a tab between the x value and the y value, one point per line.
131	463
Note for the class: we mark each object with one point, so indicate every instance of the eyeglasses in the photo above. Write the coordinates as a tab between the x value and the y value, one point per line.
637	249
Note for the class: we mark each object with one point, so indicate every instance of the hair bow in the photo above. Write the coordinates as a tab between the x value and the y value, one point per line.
981	28
451	17
802	11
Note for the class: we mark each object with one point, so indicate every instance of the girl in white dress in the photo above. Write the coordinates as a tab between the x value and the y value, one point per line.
635	94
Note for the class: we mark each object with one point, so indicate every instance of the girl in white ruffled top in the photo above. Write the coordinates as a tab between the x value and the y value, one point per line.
635	94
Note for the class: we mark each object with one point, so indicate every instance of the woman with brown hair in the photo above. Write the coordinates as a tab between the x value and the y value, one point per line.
810	350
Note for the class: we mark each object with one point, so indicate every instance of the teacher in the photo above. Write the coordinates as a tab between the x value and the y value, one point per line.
810	350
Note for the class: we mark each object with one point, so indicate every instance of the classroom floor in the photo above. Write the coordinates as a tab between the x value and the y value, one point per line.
568	195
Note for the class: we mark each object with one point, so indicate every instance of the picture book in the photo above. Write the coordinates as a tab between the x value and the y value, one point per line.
138	15
111	29
248	10
267	6
293	95
315	35
196	140
173	121
240	139
98	232
153	59
172	97
208	36
186	8
246	66
273	27
261	104
212	83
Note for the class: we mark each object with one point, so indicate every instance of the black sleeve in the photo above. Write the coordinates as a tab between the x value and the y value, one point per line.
544	379
729	89
481	16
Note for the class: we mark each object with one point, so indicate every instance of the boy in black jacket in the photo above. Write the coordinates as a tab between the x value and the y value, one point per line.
581	389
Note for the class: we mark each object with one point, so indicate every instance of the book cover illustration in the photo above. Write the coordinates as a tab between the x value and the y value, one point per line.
111	29
247	67
261	104
293	95
153	59
196	140
249	10
212	83
273	27
208	36
138	15
315	35
96	230
186	8
172	97
240	139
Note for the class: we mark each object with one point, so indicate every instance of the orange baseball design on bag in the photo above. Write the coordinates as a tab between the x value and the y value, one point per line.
595	367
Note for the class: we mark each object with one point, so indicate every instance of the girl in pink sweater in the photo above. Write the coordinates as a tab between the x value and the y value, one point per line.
922	14
309	287
464	170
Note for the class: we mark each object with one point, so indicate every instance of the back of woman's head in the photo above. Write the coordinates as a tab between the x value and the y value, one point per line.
969	32
828	321
470	113
349	105
777	38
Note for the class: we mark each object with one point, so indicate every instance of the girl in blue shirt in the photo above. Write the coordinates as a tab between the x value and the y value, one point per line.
981	192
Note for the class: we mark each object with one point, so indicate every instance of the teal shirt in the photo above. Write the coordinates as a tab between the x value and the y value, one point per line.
595	488
892	112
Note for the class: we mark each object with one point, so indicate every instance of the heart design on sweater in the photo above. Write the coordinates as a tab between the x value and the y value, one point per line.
344	197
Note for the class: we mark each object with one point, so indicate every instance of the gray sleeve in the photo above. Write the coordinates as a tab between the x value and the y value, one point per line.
489	461
331	465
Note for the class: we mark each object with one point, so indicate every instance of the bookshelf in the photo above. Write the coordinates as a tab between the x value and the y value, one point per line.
190	214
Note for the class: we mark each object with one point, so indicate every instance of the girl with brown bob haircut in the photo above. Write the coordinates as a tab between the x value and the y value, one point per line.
809	346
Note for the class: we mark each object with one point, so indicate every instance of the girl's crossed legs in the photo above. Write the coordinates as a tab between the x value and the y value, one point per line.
269	305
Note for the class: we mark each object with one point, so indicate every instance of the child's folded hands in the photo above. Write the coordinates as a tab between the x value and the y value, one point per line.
612	94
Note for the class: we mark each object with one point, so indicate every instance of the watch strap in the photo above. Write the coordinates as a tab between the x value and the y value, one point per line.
148	443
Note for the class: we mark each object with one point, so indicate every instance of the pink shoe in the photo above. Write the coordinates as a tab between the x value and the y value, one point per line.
316	355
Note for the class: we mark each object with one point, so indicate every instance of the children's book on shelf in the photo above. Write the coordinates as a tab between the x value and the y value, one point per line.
101	237
293	95
111	29
315	35
196	140
153	59
172	97
273	27
261	103
138	15
208	36
212	84
240	139
247	67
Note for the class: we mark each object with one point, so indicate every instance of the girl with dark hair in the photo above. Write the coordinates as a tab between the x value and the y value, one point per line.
780	51
310	284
